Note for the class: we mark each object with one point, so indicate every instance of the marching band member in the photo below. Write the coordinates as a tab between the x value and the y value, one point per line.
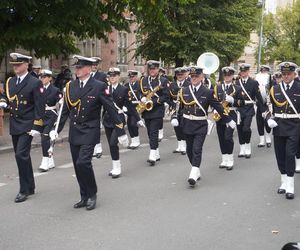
154	90
285	121
83	102
23	95
52	96
134	97
230	95
196	99
264	79
180	82
102	77
250	90
121	99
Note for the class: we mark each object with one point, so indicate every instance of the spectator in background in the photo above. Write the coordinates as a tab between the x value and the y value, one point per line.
35	70
63	77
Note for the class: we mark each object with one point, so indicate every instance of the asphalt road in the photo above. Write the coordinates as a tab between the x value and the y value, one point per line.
152	207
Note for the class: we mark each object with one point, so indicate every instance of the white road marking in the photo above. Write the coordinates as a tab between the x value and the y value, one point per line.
36	174
67	165
2	184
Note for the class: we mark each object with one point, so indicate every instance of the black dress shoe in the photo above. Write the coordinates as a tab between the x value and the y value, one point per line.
80	204
289	196
229	168
91	203
176	151
280	191
21	197
260	145
240	156
269	145
247	156
115	176
192	182
183	153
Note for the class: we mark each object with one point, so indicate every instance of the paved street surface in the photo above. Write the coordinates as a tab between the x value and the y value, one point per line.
152	207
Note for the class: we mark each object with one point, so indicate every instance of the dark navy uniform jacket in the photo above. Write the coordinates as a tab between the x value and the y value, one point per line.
83	107
137	92
206	98
100	76
52	96
252	88
121	99
26	104
286	126
162	96
236	92
174	90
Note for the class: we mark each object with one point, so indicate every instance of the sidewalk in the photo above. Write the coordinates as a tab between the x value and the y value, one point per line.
6	142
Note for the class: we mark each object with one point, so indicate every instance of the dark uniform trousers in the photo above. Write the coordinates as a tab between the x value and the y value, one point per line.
261	123
287	133
26	106
247	111
225	133
174	91
121	99
132	126
83	107
195	130
154	118
52	96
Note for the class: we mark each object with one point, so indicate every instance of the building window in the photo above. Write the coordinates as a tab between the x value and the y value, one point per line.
122	47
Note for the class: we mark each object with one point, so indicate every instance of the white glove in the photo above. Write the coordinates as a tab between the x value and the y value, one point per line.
141	124
229	99
34	133
3	105
123	140
124	109
144	99
215	111
174	122
232	124
272	123
61	101
53	135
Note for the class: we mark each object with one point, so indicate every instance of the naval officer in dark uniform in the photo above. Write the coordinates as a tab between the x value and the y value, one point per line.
230	95
121	100
133	87
285	121
23	95
84	99
250	90
52	96
196	99
176	107
157	87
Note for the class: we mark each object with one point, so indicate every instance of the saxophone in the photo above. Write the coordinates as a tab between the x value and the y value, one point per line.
148	105
216	116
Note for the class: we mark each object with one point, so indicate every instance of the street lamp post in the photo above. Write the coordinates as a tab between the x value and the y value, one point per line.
262	2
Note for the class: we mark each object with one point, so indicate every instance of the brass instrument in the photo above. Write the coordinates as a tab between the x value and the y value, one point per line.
148	105
216	116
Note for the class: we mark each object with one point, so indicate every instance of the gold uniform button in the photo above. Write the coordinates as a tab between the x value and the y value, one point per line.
16	108
82	108
75	115
74	123
11	114
82	116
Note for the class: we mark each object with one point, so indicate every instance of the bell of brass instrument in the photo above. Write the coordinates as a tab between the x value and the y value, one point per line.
148	105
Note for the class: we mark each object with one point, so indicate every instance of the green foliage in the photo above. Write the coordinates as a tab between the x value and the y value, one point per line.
50	26
189	28
282	35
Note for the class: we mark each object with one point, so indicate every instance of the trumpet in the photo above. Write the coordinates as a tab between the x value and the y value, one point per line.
216	116
148	105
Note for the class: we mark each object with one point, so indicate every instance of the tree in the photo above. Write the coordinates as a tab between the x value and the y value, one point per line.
190	28
282	35
50	26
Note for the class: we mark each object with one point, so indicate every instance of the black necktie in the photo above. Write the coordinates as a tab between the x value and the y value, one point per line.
244	82
81	85
287	87
195	90
226	88
19	80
